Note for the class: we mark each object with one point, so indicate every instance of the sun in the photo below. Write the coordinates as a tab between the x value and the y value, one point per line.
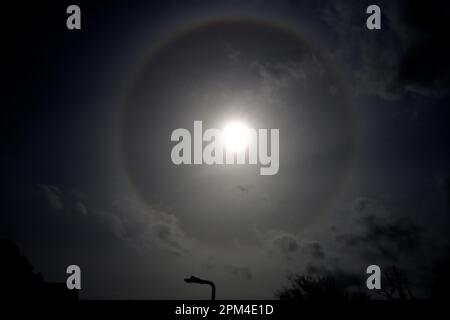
235	136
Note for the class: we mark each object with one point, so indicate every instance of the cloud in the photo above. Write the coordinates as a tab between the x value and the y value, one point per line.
149	228
244	189
72	216
52	195
243	272
277	76
285	243
232	54
377	232
295	249
314	249
57	200
374	231
81	208
390	240
409	53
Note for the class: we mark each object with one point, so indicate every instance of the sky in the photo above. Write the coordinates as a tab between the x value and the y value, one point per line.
363	116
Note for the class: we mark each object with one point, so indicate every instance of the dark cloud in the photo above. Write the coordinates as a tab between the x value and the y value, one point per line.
314	249
390	239
145	228
409	53
361	204
148	227
380	232
243	272
313	269
243	189
424	67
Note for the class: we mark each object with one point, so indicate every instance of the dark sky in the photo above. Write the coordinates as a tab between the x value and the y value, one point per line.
364	132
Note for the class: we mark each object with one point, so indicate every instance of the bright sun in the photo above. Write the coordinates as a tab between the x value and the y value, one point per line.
235	136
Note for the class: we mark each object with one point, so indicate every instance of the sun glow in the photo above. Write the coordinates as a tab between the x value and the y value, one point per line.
235	136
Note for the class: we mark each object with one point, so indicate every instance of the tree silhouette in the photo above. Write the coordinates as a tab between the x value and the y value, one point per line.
317	289
19	282
16	274
395	285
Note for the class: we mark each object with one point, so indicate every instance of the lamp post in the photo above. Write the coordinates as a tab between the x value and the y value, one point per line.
193	279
